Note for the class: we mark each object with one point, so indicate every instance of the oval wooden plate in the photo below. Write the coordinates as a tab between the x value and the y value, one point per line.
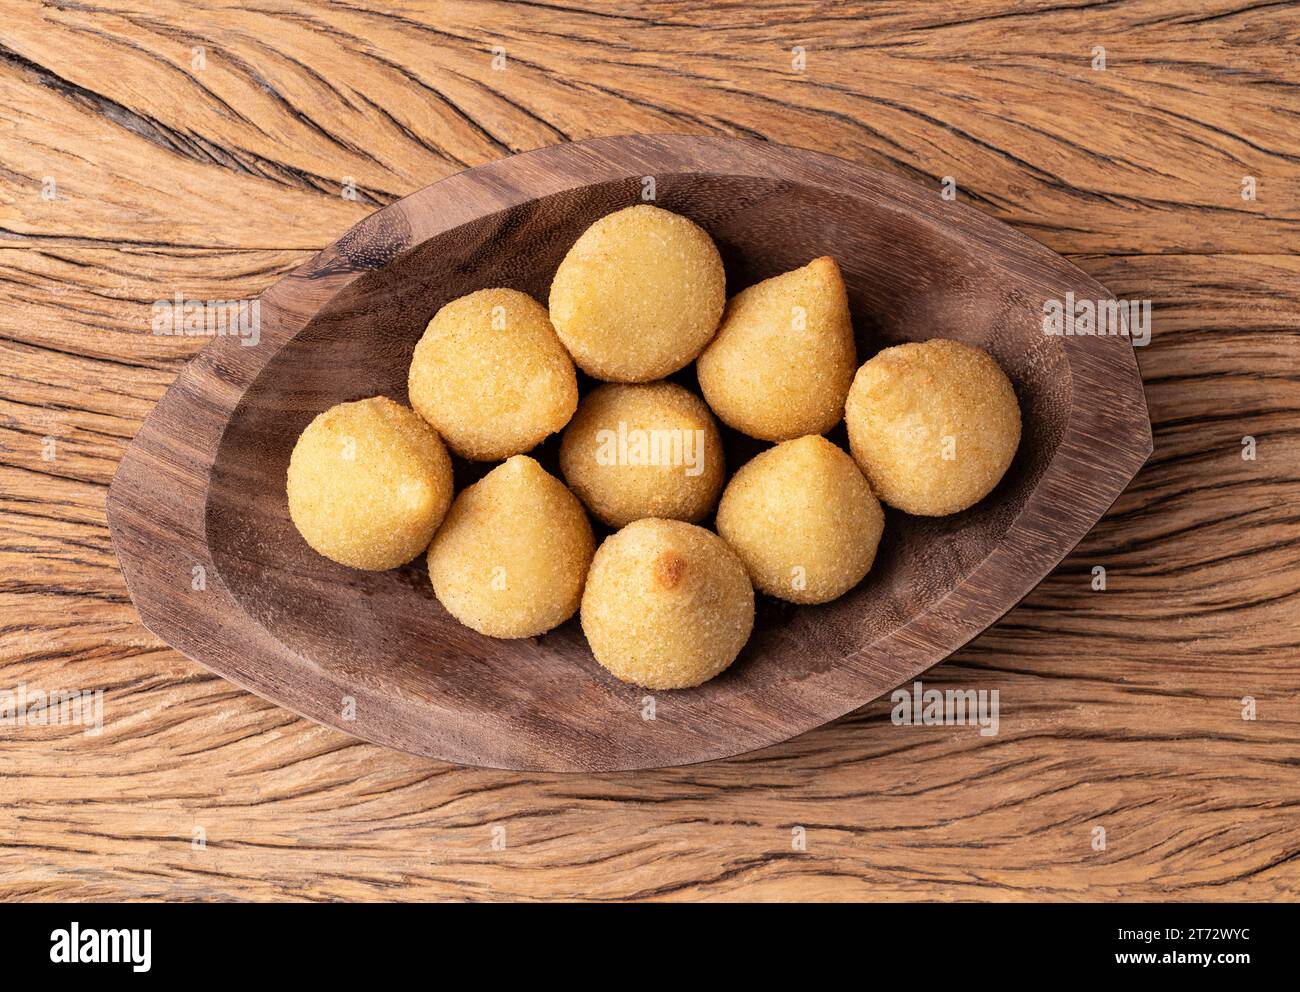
375	655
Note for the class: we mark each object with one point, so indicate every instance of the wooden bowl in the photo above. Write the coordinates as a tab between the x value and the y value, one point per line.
375	655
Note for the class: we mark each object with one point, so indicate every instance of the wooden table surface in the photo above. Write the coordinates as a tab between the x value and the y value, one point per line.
204	148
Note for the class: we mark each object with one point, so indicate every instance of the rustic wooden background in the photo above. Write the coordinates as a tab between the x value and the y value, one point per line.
154	148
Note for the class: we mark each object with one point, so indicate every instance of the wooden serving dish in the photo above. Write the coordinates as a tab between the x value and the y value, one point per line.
375	655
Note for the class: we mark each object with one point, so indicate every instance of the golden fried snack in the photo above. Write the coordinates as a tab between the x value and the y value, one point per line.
644	450
491	376
368	484
639	295
933	425
803	520
667	606
511	557
781	363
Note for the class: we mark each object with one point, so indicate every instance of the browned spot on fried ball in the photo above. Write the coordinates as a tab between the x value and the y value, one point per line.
669	569
667	605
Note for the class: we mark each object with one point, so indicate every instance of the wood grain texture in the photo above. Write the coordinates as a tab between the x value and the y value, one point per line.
1120	709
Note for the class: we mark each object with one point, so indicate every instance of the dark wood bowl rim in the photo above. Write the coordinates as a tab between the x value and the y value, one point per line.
156	503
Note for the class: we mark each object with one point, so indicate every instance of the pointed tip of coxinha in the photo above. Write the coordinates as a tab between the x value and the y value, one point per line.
822	272
823	268
824	265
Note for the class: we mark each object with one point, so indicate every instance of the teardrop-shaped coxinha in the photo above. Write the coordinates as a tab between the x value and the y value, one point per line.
781	363
511	558
665	604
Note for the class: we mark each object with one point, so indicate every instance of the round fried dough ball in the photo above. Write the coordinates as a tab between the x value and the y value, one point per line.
803	520
491	376
781	363
639	295
368	484
932	425
645	450
511	557
667	606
